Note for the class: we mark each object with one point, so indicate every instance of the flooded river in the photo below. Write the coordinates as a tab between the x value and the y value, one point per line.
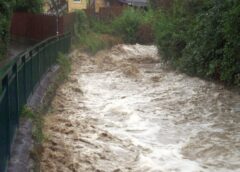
122	110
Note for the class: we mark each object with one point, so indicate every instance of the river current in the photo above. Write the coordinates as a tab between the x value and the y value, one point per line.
123	110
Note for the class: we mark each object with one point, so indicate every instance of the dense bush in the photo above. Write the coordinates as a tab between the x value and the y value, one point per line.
127	24
100	26
34	6
131	23
90	33
5	16
202	38
145	34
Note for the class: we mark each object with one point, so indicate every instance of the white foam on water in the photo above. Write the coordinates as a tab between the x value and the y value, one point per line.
156	121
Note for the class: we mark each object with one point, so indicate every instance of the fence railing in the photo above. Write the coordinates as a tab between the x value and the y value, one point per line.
18	82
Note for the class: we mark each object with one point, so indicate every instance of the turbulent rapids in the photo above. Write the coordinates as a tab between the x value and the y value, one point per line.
122	110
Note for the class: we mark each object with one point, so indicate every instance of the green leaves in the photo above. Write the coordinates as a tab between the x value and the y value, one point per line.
128	23
5	15
201	37
34	6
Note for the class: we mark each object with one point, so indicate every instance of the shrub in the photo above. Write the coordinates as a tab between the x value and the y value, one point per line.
65	65
91	33
127	24
135	25
100	26
145	34
37	120
202	38
5	16
34	6
81	23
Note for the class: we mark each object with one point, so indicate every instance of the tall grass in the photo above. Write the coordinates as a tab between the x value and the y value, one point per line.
88	32
93	34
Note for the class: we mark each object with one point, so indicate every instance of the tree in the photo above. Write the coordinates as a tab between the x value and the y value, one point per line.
34	6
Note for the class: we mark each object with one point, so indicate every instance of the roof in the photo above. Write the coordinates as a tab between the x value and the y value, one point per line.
139	3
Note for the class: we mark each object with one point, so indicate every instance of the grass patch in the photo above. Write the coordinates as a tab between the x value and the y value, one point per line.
37	120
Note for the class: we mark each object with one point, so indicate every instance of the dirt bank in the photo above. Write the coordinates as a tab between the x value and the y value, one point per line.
121	110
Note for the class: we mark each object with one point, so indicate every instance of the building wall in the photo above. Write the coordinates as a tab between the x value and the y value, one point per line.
77	5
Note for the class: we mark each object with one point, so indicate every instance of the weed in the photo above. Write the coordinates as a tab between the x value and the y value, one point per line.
37	123
65	65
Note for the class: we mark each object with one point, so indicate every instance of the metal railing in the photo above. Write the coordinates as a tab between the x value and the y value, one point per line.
18	82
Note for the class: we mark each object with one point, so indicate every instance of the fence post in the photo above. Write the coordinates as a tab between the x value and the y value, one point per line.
5	85
31	68
24	78
15	71
38	65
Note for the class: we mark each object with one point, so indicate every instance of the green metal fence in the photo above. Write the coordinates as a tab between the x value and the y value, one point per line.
19	81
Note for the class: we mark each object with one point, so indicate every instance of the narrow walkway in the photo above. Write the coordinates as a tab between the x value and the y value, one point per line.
15	48
122	110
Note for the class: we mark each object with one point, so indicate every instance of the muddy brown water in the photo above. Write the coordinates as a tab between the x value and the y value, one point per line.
122	111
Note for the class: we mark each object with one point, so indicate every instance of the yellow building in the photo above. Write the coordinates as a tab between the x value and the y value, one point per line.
77	5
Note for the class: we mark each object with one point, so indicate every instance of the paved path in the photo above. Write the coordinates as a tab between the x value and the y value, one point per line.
15	48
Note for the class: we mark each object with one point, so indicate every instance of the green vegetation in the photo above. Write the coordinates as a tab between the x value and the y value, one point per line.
37	123
202	38
130	23
5	16
127	24
93	34
34	6
89	31
64	64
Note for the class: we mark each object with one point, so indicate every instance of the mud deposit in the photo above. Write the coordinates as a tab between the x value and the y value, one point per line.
123	111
